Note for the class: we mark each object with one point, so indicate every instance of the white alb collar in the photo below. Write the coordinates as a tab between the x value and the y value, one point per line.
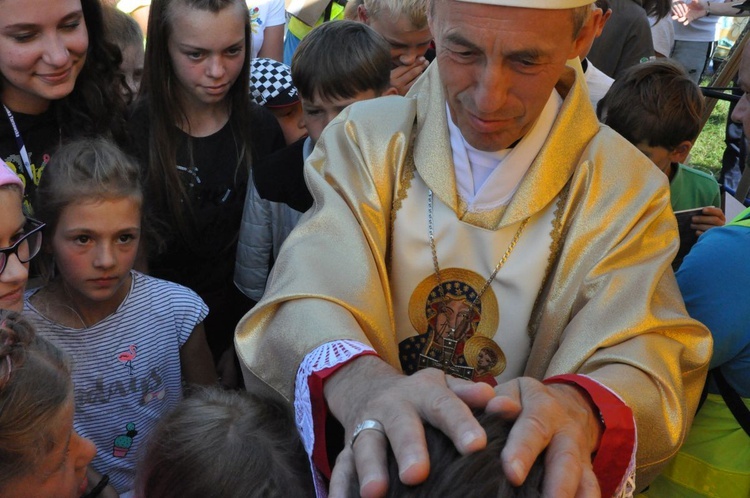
497	174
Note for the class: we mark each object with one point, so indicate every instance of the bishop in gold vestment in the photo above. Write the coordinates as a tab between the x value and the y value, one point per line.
600	237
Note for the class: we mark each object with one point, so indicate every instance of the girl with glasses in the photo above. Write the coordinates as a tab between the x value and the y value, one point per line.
133	337
20	239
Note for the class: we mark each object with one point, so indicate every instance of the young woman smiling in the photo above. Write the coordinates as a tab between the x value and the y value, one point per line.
58	80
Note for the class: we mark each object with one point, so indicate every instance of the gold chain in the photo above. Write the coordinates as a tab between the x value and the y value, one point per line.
508	251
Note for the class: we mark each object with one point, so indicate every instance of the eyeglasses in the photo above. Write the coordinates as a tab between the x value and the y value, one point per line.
27	246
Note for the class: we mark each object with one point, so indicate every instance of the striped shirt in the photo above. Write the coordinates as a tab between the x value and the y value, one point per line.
126	368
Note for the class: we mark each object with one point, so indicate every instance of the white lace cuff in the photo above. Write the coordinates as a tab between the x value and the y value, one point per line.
323	357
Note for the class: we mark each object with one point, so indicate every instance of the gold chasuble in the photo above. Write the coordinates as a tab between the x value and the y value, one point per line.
586	288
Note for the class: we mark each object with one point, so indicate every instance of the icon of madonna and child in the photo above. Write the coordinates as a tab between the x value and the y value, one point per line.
455	328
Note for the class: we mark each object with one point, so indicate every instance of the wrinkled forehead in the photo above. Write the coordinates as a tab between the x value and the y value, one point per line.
533	13
484	25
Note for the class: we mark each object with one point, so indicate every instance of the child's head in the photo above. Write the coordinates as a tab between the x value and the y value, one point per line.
330	75
20	240
403	24
124	31
225	443
477	474
657	108
271	86
40	453
90	198
197	55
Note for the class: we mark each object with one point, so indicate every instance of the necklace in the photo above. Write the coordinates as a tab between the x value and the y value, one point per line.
450	342
72	306
55	303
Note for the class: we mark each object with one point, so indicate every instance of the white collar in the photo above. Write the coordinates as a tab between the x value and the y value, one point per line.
497	174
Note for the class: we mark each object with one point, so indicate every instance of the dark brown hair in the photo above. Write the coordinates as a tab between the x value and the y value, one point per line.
338	60
225	443
95	106
655	103
159	92
656	8
478	474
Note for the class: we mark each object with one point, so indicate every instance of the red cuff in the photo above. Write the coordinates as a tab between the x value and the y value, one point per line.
616	445
320	412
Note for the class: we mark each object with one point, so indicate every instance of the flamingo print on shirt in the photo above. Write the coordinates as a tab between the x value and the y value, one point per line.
127	357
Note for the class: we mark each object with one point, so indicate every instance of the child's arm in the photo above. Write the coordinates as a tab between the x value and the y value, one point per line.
196	360
273	43
711	217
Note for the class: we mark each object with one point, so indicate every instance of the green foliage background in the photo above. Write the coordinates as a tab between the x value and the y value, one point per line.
709	148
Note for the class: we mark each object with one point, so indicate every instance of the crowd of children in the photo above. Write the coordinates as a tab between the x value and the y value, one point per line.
278	194
145	194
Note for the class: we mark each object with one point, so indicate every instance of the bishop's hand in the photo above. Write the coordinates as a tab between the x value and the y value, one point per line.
369	389
559	418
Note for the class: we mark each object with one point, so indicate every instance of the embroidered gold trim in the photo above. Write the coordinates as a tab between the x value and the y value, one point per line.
489	220
556	235
407	175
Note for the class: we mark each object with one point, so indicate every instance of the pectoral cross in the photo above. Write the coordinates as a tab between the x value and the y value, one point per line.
445	363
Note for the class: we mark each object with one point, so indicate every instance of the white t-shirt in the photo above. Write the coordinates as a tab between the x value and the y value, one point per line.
264	13
598	83
662	32
700	30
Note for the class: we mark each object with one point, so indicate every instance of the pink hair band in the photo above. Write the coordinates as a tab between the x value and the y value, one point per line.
8	177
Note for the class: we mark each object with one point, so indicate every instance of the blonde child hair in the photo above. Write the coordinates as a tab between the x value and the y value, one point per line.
414	10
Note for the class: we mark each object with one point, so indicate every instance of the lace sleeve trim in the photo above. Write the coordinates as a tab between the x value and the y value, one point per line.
324	357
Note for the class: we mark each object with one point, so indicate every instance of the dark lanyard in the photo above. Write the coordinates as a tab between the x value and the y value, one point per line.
19	142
